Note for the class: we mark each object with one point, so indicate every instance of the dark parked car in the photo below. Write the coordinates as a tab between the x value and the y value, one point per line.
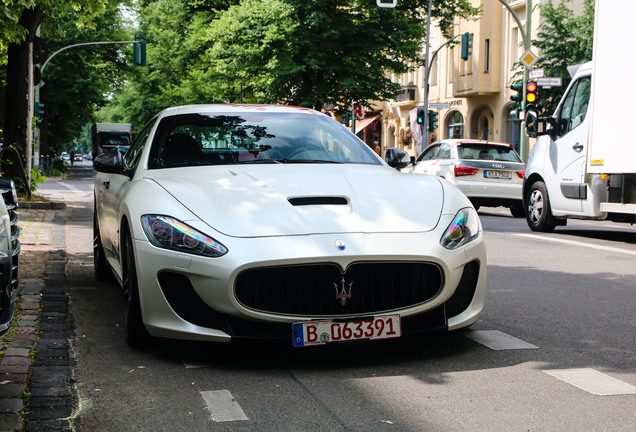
9	252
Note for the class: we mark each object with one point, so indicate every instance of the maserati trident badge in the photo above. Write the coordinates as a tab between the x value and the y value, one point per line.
340	245
343	292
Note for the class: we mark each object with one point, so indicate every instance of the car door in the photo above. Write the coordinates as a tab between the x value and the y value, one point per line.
110	191
434	159
567	153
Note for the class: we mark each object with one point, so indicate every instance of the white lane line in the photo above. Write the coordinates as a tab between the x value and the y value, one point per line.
497	340
71	187
576	243
196	365
593	381
223	406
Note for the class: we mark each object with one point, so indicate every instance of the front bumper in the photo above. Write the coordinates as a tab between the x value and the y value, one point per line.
191	297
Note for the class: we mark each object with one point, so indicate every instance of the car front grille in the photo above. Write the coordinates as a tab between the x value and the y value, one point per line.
317	290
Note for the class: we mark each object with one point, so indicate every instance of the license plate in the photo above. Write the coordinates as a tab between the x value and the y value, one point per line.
321	332
498	174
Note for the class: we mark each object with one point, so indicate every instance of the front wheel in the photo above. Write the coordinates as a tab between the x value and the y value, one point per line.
538	212
102	271
136	333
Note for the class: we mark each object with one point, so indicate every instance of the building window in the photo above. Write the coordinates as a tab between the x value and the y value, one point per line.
433	73
455	125
514	47
451	66
487	56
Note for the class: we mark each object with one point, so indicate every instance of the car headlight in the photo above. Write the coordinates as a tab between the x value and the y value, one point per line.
463	229
169	233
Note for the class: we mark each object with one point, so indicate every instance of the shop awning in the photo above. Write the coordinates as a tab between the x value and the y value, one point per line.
366	121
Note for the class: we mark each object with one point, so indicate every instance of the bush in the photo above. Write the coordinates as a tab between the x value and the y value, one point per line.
59	165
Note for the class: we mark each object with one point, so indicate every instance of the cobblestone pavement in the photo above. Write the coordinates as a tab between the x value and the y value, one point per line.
35	369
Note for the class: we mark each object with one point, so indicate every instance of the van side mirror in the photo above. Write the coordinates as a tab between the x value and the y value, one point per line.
536	126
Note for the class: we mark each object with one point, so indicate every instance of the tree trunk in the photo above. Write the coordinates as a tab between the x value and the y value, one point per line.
15	120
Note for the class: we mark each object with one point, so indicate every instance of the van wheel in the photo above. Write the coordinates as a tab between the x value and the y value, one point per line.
538	212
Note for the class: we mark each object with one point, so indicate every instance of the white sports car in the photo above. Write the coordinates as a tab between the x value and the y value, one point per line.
252	221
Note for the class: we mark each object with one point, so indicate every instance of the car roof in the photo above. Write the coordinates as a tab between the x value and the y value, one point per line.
235	108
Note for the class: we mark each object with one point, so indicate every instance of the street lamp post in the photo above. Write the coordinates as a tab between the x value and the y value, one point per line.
527	40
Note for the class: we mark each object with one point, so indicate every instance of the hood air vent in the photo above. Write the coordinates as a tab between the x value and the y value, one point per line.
322	200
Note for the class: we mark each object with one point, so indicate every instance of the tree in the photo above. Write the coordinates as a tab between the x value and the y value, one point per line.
564	40
77	80
20	22
300	52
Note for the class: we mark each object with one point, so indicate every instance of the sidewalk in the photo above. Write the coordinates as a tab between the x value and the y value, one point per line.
35	366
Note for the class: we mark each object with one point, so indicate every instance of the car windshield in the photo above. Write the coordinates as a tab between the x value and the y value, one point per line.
254	138
487	152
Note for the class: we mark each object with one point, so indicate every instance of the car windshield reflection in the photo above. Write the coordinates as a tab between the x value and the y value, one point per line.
254	138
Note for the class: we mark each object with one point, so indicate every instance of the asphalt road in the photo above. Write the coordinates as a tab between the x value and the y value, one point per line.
553	351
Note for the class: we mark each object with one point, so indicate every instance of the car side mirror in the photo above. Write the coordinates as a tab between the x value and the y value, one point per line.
397	158
109	162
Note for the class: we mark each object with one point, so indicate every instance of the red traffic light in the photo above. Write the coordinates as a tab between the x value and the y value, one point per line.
531	89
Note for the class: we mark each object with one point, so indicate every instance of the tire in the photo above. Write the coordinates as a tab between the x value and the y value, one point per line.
518	211
538	212
136	333
102	271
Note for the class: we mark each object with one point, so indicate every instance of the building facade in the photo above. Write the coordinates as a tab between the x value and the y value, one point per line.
472	96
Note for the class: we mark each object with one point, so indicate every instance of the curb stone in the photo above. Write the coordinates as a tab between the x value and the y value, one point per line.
36	392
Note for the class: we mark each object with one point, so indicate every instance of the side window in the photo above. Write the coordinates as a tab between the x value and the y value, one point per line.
429	154
133	155
444	151
574	108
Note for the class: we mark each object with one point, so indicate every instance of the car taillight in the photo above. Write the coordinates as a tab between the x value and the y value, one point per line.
464	171
521	174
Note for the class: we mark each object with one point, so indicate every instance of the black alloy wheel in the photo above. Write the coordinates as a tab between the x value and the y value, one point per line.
136	333
102	271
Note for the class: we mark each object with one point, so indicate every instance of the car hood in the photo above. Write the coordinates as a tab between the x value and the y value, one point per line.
275	200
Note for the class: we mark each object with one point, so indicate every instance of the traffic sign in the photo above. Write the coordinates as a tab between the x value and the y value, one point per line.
549	82
439	105
528	58
536	73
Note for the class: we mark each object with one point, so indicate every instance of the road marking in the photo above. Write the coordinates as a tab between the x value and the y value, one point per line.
576	243
497	340
223	406
593	381
71	187
196	365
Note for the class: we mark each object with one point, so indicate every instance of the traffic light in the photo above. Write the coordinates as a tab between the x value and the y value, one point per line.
139	53
467	45
432	120
517	87
531	92
531	97
421	112
38	111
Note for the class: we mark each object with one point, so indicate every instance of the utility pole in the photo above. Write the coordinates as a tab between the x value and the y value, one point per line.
527	40
426	75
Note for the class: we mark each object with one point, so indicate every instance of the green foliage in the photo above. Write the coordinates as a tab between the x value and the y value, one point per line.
58	165
97	70
37	177
564	40
299	52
